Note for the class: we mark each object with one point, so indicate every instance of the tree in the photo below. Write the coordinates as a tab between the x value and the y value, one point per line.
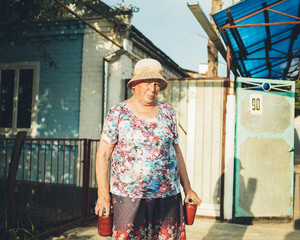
18	17
212	52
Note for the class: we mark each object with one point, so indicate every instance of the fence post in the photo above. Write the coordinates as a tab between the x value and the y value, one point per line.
86	179
13	165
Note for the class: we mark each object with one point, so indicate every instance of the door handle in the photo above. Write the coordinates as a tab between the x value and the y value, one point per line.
292	150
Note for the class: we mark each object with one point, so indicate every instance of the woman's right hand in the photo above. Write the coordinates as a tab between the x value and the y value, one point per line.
190	194
103	203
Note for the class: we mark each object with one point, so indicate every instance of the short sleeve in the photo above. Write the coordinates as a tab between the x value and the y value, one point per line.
174	127
110	127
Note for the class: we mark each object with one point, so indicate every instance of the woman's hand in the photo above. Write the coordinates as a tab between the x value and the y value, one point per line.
103	203
190	194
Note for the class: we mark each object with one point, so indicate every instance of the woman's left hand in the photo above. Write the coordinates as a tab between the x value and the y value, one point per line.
190	194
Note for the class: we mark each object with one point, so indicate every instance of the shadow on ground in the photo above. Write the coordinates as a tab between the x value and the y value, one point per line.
295	235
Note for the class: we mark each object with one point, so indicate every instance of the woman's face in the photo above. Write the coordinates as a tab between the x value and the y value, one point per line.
147	91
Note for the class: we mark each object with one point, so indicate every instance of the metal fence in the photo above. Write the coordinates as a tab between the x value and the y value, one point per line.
45	184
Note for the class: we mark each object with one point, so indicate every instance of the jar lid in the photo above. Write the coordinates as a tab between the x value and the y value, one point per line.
192	202
104	213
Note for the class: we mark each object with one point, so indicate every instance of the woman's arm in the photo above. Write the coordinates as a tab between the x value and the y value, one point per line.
184	179
103	155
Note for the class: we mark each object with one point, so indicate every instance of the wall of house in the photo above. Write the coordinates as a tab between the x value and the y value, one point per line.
120	65
59	87
95	49
60	91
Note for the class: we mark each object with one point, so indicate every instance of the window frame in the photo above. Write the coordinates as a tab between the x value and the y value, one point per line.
17	66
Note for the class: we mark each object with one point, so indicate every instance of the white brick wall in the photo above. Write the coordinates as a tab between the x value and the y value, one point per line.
95	47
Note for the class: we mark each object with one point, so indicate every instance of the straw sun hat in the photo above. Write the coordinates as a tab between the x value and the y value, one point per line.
147	69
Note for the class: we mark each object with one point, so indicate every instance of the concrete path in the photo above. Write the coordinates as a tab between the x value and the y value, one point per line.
204	229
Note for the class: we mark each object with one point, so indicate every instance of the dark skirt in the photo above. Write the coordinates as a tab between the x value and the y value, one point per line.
148	219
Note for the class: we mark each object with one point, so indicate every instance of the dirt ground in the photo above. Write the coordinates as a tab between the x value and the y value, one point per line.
204	229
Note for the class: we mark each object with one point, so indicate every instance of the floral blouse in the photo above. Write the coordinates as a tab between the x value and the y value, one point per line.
144	163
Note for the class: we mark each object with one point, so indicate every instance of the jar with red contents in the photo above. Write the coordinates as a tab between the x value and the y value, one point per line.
105	224
190	209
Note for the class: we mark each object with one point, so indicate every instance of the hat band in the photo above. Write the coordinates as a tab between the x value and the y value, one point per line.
147	69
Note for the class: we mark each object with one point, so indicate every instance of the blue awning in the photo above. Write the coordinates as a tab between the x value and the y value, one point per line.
263	37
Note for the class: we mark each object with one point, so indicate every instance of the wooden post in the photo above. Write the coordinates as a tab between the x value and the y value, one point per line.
13	165
86	179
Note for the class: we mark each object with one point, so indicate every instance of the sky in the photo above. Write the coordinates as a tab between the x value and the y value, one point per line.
171	26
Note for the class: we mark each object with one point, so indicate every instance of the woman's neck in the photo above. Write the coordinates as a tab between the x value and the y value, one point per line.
143	110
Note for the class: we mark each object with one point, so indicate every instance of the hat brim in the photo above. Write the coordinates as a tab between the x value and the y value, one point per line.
148	76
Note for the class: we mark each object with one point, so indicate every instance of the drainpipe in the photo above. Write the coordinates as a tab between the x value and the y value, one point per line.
105	78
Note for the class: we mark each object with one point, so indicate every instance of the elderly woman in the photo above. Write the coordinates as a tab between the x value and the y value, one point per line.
141	138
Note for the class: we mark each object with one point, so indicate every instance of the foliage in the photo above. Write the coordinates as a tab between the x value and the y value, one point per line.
18	17
18	230
21	15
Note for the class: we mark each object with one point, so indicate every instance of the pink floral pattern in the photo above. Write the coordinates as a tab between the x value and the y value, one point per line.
168	232
144	161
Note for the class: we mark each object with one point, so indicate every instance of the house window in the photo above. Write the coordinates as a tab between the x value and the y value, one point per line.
18	98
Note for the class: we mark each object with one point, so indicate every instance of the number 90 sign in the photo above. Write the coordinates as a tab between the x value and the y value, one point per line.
255	104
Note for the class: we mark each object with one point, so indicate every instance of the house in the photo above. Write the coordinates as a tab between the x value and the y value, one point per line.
70	99
57	86
93	60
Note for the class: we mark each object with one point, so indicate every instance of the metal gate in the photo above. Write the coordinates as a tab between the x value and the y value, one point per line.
199	107
264	156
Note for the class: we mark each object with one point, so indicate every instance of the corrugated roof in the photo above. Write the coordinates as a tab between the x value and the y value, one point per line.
263	37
